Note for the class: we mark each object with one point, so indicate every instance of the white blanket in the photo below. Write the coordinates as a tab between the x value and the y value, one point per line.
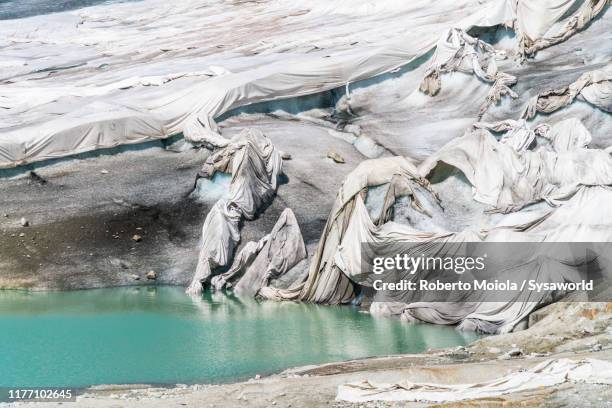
545	374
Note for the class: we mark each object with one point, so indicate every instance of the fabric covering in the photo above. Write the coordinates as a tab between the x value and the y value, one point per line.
545	374
325	282
535	20
255	165
458	51
505	176
517	134
507	179
474	311
269	258
594	87
100	77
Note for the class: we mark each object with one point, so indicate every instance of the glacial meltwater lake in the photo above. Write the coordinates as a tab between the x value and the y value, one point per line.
159	335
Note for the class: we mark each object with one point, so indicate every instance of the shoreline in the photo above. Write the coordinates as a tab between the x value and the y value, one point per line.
485	359
297	386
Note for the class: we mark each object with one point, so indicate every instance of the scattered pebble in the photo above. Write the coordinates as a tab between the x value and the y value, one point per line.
335	157
136	238
33	177
597	347
104	171
135	277
24	222
285	156
22	235
515	352
151	275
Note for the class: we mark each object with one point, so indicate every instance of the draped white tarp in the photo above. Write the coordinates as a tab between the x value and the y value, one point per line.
594	87
474	311
561	171
255	165
103	77
264	260
508	180
535	21
546	374
458	51
326	283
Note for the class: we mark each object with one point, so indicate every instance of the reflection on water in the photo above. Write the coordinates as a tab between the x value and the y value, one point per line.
160	335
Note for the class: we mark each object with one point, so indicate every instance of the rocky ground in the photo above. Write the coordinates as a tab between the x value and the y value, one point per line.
83	214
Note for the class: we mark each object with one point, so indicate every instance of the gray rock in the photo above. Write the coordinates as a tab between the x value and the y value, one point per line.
335	157
512	353
151	275
24	222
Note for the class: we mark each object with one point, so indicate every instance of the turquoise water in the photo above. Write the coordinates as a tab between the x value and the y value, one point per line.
160	335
